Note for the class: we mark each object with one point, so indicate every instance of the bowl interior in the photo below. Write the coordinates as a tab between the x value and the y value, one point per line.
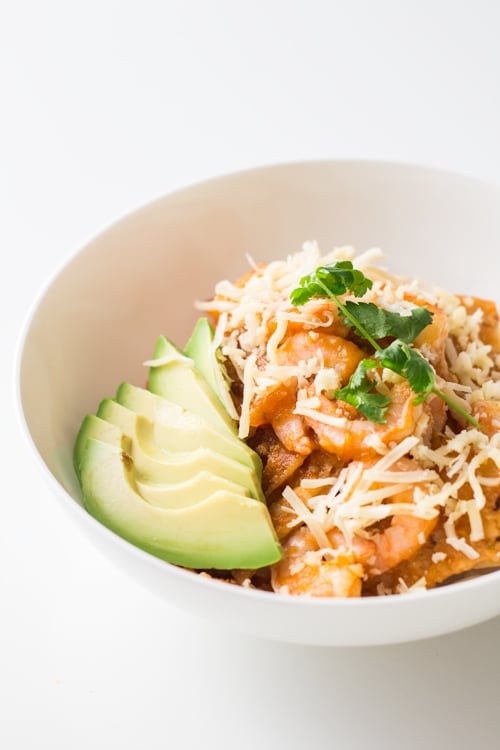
98	320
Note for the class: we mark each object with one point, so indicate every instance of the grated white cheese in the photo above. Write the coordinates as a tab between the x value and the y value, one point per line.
438	557
255	318
460	544
306	411
489	391
403	588
248	379
305	515
327	381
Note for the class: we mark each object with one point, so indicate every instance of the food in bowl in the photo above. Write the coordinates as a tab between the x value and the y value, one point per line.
336	433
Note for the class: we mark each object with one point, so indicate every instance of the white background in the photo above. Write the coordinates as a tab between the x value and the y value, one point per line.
103	107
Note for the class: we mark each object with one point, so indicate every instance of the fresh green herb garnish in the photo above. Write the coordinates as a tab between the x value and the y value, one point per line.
359	393
409	363
373	323
332	281
382	323
336	278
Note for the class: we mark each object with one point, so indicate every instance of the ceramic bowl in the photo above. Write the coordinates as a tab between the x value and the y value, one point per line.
97	320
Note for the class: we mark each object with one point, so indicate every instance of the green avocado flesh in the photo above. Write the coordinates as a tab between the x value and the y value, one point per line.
165	470
163	467
93	427
152	449
224	531
193	432
192	491
199	349
175	378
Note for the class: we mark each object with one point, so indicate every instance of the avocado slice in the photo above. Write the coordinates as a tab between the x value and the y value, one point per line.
179	430
174	376
93	427
192	491
154	463
118	415
178	483
224	531
200	348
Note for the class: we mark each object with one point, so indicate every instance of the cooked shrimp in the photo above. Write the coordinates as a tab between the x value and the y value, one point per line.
305	570
276	404
275	407
359	437
432	340
266	404
401	540
320	313
406	533
292	432
331	351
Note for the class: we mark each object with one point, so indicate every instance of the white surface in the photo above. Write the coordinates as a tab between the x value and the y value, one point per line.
106	105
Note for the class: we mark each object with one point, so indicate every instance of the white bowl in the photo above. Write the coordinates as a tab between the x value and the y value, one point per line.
98	319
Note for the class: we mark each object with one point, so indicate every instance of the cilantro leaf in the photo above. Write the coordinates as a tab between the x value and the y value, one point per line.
420	375
410	364
381	323
330	281
359	393
373	323
303	294
360	378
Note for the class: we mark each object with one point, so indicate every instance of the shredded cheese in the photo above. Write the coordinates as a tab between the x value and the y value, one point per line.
255	319
307	517
168	359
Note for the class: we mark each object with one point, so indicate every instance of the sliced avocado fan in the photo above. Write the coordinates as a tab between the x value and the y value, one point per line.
192	431
152	447
223	531
175	377
164	469
200	348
